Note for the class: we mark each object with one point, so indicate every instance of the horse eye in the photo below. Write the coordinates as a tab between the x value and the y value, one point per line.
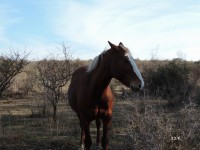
126	61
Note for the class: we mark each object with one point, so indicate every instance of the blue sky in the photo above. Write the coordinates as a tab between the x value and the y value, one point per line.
163	29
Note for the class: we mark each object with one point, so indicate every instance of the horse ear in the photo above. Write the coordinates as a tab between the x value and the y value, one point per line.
121	44
112	45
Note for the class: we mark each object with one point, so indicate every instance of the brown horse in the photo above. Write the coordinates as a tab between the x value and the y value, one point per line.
89	93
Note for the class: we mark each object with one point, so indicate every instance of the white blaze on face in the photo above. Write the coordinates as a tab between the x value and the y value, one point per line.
135	68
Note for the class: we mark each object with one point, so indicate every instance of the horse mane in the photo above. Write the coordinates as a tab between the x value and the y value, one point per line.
96	61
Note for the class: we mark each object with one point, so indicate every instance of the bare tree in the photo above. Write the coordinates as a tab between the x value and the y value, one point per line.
10	65
29	80
54	74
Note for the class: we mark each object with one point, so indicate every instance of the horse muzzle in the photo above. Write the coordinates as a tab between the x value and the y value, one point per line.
136	86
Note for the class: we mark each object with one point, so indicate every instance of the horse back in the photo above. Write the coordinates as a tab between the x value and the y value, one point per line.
77	81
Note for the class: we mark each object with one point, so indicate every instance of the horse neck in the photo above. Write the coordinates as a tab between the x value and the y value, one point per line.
100	77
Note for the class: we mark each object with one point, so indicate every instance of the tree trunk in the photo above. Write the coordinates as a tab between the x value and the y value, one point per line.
54	112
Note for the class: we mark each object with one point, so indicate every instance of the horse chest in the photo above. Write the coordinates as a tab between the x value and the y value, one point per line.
98	111
96	105
102	112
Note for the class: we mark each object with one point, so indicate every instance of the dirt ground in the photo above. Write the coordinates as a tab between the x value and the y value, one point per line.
22	126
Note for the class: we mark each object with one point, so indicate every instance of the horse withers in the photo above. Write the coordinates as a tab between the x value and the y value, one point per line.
89	93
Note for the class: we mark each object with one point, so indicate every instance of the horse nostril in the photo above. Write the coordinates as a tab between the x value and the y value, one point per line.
139	86
136	86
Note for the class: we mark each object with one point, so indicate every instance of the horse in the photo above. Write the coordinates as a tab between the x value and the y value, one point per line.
91	97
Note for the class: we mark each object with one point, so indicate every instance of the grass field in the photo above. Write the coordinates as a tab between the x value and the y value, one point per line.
135	125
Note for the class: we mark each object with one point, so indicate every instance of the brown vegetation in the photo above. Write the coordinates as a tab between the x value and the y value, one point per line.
53	75
140	121
10	66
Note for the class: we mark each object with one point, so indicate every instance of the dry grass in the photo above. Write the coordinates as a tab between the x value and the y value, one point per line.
157	128
135	126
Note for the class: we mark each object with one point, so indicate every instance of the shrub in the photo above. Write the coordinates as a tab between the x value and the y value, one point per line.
169	81
194	78
53	75
10	66
155	129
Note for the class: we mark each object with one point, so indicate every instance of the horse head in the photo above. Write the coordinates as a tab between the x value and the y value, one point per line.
124	68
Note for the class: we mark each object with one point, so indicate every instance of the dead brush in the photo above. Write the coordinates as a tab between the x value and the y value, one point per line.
189	125
154	129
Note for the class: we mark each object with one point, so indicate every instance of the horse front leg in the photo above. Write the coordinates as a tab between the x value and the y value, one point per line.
82	139
86	140
106	130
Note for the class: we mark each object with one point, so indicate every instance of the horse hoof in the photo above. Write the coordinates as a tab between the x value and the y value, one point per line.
82	147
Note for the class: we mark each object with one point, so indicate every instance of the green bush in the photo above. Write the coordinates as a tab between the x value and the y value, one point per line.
169	81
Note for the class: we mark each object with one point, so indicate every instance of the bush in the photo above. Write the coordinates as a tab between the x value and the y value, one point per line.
10	66
169	81
157	130
195	81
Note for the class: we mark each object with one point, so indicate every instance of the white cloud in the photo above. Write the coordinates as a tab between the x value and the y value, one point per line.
37	48
35	45
6	22
140	25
